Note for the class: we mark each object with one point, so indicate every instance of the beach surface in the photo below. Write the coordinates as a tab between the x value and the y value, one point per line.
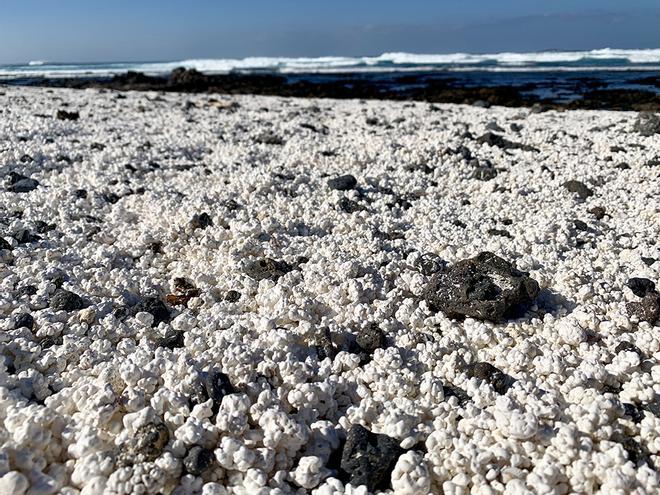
208	293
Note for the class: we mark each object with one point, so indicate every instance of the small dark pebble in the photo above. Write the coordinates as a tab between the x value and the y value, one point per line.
201	221
460	394
267	268
64	115
348	205
598	212
156	247
371	338
616	149
232	296
64	300
198	460
231	205
217	385
499	380
4	244
636	452
632	411
492	139
26	159
515	127
484	173
499	232
648	309
155	307
80	193
575	186
627	346
24	320
622	166
458	223
269	138
368	458
640	286
28	290
648	261
580	225
43	227
23	185
111	198
150	440
171	341
342	183
97	146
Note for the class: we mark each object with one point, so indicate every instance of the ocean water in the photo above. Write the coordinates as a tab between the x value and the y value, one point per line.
606	59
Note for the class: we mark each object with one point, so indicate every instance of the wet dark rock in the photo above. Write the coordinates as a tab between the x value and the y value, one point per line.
460	394
348	205
633	412
371	338
232	296
485	287
580	225
598	212
647	124
198	460
640	286
80	193
24	320
492	139
201	221
64	300
267	268
155	307
369	458
64	115
429	264
484	173
648	261
499	380
146	445
4	244
575	186
342	183
217	385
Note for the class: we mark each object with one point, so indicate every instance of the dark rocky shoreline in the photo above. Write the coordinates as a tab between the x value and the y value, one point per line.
589	93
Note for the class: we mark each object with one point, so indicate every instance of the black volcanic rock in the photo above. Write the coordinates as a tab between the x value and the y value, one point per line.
485	287
369	458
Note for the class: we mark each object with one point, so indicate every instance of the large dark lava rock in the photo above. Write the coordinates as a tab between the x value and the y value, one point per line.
485	287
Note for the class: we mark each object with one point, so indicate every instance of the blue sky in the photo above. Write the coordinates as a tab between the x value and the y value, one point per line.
140	30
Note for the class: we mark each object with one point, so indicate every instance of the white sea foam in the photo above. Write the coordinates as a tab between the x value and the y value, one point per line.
606	58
